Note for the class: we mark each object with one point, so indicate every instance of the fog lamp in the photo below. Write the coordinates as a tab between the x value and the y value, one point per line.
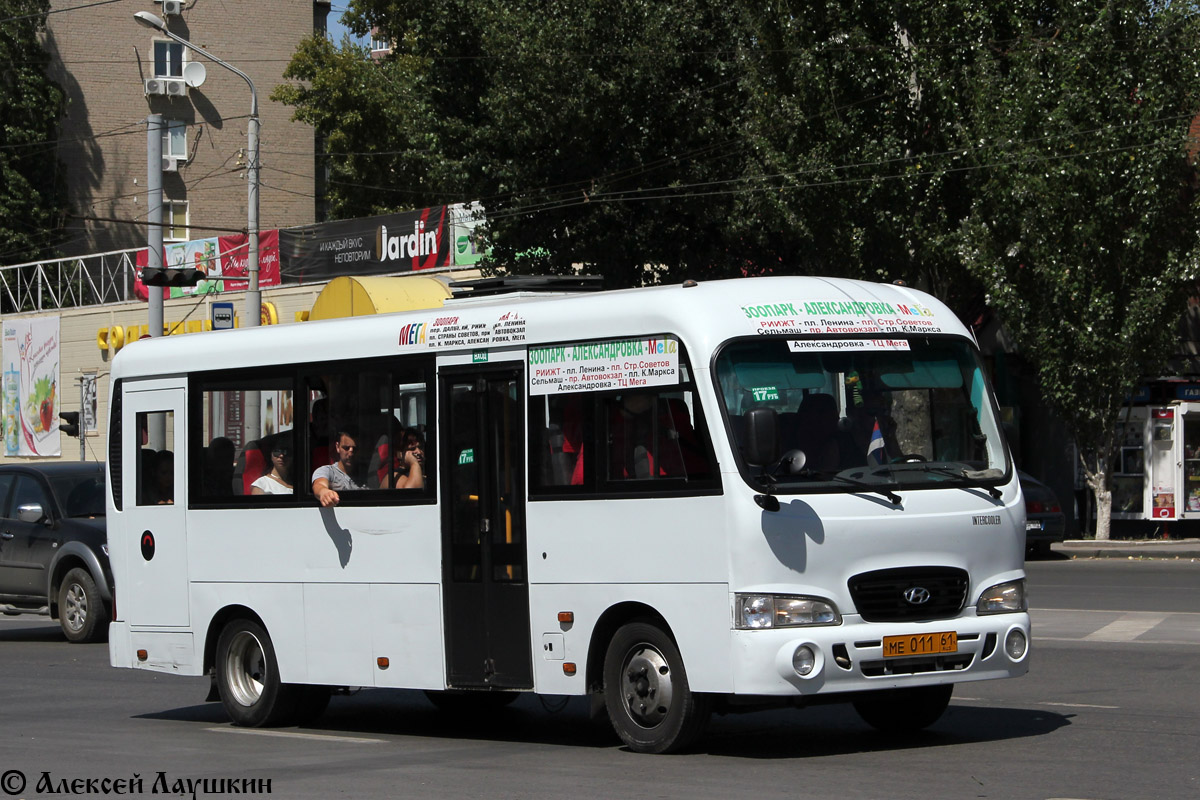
1015	644
803	660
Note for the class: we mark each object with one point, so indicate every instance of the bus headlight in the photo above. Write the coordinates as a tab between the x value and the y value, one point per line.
757	611
1003	598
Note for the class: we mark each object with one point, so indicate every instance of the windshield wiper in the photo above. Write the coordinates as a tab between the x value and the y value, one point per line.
892	497
975	476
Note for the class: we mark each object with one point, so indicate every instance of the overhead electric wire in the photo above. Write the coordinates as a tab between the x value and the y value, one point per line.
59	11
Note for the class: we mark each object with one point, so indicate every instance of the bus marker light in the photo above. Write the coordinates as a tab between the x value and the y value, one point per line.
566	617
568	668
142	655
383	662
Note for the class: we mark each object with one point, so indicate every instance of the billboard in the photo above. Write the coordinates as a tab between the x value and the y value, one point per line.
32	388
389	243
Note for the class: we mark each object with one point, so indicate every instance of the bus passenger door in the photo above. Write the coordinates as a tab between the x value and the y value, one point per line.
154	492
485	585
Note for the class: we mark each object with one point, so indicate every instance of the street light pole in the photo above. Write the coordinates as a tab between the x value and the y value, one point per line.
253	295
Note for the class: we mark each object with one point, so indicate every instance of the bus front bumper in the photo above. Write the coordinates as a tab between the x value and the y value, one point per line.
851	657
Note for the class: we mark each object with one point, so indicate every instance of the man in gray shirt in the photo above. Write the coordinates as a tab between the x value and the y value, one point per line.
330	479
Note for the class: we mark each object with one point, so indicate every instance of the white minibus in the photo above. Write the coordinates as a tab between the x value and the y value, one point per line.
701	497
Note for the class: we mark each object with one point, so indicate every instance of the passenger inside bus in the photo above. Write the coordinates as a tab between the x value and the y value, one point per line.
340	476
279	479
407	468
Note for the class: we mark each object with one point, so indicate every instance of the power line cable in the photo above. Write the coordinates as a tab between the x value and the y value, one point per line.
59	11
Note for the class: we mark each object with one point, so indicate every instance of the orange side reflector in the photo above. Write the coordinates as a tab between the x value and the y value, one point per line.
142	655
568	668
383	662
566	616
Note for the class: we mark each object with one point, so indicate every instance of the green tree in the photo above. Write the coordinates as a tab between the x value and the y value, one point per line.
1085	231
1029	154
32	193
591	133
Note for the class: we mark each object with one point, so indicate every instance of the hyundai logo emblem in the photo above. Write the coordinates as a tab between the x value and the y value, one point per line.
917	595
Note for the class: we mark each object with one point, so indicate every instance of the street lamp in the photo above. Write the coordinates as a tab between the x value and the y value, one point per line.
253	296
251	418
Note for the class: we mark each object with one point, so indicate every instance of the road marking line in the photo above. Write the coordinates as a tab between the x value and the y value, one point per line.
1041	703
1127	628
1110	611
319	737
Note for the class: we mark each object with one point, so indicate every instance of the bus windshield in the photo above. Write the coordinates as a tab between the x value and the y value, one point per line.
909	412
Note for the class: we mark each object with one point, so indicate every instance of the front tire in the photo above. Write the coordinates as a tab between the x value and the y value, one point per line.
248	677
904	710
80	609
646	691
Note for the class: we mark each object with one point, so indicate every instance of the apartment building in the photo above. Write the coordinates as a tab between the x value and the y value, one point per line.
116	72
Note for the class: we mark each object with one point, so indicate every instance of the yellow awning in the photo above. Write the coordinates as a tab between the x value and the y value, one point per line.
357	297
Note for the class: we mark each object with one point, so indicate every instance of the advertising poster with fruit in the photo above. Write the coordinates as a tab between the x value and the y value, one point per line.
200	254
31	387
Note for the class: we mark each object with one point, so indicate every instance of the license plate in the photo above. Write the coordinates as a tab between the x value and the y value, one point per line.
1033	525
920	644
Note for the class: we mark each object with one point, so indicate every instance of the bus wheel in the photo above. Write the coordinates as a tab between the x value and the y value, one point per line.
646	692
248	677
904	710
80	609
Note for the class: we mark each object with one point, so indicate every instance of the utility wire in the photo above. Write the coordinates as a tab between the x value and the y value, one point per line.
59	11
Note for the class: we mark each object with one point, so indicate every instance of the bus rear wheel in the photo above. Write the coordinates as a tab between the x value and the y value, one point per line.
904	710
646	691
248	677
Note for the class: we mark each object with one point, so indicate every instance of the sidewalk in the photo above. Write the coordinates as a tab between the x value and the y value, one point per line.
1129	548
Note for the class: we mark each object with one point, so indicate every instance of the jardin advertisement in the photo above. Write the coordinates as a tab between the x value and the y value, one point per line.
31	387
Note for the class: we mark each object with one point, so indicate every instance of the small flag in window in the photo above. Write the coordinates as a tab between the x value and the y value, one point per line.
876	453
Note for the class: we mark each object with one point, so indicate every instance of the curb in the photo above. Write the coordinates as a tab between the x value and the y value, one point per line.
1139	548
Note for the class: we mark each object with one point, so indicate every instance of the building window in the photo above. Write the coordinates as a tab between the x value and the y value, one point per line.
168	59
175	220
174	141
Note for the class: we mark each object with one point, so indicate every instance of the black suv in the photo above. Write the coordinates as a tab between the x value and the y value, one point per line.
53	546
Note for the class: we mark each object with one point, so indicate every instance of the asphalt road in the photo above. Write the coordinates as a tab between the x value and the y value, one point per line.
1110	709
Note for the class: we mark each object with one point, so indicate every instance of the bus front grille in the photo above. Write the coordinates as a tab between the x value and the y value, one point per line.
909	594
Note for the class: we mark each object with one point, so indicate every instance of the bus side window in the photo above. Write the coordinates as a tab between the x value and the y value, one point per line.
561	449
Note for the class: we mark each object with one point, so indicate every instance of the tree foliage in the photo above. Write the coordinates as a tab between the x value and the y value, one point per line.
32	193
1031	154
1085	231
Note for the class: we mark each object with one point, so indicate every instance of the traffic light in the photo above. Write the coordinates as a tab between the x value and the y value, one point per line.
187	276
70	425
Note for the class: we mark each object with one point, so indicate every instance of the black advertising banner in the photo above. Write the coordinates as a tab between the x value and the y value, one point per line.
389	243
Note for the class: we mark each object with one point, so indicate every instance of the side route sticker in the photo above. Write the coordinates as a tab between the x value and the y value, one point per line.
600	366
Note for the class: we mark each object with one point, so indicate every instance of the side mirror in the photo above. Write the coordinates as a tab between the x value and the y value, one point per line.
31	512
762	436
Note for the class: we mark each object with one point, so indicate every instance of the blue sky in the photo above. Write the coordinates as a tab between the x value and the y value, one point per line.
336	29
